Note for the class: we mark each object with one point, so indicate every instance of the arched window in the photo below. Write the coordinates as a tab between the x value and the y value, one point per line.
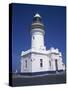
41	62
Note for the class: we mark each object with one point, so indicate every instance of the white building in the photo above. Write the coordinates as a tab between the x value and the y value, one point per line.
38	58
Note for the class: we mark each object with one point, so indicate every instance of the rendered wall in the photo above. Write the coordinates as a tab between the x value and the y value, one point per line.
29	65
36	63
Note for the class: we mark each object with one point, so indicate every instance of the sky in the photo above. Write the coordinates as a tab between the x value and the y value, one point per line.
54	19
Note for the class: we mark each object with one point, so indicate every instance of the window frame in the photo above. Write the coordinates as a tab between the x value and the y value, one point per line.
41	63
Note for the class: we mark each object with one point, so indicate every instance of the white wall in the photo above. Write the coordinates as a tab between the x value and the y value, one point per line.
29	65
38	40
36	63
33	62
59	62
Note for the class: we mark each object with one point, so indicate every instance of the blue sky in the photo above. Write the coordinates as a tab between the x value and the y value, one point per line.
54	19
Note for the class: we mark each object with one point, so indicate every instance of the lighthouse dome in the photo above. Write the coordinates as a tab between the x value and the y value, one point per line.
37	15
37	22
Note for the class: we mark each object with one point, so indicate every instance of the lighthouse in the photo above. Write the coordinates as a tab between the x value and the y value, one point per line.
38	59
37	33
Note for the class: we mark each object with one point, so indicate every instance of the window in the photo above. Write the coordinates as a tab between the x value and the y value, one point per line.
26	63
56	64
50	63
41	63
31	60
33	37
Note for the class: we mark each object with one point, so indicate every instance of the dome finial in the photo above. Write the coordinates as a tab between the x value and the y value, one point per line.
37	15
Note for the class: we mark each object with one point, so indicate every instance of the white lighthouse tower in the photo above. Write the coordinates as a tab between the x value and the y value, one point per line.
37	33
38	59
